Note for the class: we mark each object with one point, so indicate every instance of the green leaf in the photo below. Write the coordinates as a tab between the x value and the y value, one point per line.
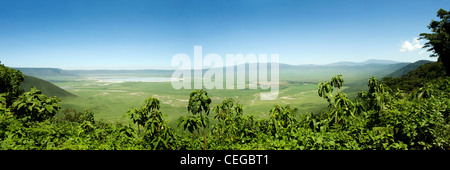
49	108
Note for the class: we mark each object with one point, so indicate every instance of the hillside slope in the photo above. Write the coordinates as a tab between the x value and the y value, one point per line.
416	78
410	67
46	87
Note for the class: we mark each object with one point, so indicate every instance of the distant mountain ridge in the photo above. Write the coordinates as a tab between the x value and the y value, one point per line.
45	72
371	61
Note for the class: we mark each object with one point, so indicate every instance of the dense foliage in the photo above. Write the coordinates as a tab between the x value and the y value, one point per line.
379	118
34	106
415	78
10	80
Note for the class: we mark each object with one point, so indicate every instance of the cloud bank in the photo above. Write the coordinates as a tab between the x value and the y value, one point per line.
413	45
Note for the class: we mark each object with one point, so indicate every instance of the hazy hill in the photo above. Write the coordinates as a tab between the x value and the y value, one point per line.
146	72
46	87
351	73
371	61
45	72
410	67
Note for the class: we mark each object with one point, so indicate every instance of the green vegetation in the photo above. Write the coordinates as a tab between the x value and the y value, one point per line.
198	103
415	78
34	106
410	67
156	132
10	80
379	118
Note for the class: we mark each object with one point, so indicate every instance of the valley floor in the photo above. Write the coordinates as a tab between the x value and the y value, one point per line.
111	100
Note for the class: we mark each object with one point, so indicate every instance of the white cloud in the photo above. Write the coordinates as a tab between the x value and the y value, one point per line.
413	45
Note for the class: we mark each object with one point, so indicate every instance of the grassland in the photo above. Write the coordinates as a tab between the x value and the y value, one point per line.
111	100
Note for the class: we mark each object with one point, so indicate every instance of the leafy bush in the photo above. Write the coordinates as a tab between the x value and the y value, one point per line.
34	106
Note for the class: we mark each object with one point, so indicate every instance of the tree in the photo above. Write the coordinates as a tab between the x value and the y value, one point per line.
10	80
325	91
198	103
229	116
337	82
140	116
439	39
156	130
343	106
326	88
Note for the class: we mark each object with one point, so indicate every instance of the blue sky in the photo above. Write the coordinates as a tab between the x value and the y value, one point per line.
133	34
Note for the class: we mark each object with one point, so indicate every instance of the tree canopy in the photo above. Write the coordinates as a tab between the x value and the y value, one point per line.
439	39
10	80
